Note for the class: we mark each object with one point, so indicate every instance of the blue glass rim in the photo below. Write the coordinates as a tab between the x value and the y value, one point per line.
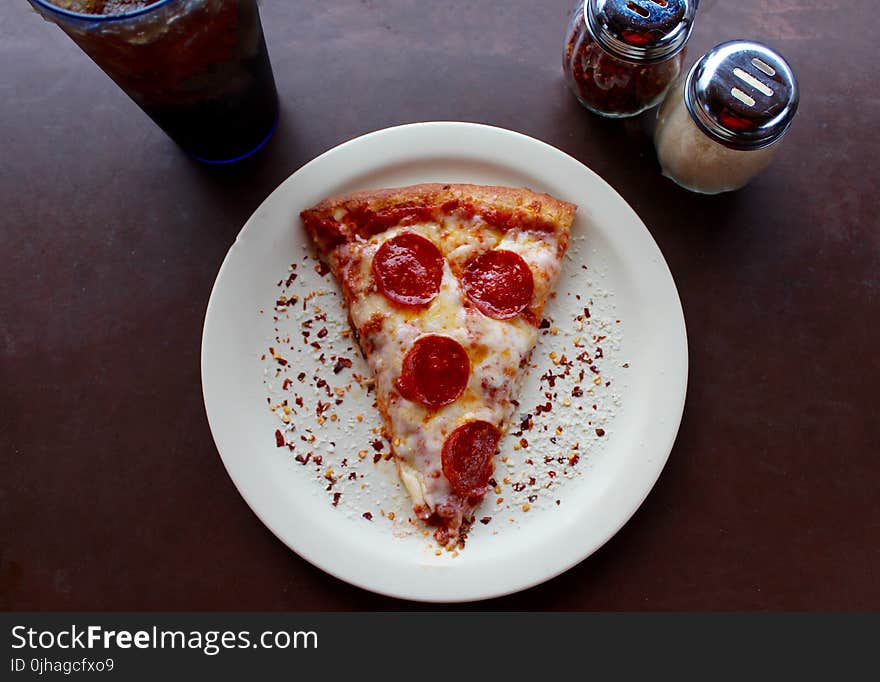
242	157
98	18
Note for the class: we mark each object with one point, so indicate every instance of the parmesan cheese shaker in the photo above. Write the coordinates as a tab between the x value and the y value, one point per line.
722	124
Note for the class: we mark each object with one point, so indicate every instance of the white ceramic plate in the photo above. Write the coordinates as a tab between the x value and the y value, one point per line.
613	259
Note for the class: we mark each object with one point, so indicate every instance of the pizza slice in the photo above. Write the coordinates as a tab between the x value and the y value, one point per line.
445	285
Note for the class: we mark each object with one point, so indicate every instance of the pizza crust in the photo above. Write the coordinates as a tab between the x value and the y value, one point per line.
526	205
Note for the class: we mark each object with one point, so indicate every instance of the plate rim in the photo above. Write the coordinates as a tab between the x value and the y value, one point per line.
517	585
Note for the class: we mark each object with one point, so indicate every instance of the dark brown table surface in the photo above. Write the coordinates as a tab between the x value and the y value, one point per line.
112	494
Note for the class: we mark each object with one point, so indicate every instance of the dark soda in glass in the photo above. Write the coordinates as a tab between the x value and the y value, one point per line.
198	68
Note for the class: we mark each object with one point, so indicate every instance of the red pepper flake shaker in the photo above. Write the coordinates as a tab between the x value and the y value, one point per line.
621	56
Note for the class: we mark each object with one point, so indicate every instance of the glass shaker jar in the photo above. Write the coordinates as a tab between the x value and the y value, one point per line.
621	57
722	124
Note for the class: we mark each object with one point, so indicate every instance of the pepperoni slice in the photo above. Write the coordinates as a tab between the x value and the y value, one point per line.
408	270
499	283
435	371
467	457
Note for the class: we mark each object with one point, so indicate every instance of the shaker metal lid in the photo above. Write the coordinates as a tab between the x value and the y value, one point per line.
742	94
640	30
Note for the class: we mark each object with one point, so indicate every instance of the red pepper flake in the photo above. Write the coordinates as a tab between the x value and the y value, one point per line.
600	432
625	365
599	353
550	378
301	376
322	332
531	480
290	279
574	459
519	486
548	407
532	498
336	497
341	363
545	324
368	516
322	268
526	423
523	443
321	383
441	535
299	401
318	460
587	312
551	473
281	361
376	458
287	382
303	460
577	391
485	520
352	476
377	444
279	439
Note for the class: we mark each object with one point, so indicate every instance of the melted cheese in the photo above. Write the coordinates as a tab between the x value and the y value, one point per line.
497	349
